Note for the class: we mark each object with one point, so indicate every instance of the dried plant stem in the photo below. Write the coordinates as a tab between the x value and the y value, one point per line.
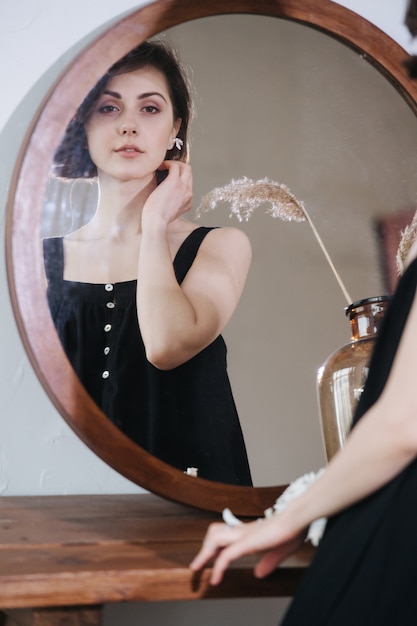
327	256
244	195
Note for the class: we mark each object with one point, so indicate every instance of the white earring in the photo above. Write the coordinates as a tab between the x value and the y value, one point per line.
178	143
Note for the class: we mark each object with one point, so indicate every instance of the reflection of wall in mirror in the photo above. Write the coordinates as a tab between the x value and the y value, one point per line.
314	118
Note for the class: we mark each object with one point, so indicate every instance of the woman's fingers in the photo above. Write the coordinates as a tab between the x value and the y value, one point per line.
218	536
270	561
173	197
225	544
224	558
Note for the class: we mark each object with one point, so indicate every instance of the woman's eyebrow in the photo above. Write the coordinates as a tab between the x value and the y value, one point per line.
148	94
114	94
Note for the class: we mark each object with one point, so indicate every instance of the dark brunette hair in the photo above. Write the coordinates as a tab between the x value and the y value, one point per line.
72	158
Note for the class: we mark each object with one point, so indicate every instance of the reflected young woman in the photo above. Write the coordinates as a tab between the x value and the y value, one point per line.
140	295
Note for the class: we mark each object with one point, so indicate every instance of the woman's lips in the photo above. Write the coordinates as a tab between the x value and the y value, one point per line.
128	151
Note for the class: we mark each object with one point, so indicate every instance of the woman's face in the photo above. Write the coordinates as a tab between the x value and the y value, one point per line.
132	125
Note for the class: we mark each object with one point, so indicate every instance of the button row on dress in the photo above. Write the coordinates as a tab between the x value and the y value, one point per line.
109	287
107	327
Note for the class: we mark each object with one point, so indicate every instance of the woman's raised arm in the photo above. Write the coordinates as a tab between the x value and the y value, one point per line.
178	321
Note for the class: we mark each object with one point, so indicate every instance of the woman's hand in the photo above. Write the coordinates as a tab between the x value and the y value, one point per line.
228	543
172	197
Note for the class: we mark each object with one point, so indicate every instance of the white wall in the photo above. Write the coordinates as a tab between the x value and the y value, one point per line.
39	454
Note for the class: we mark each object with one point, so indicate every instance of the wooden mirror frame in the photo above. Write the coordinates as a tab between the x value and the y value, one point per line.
23	239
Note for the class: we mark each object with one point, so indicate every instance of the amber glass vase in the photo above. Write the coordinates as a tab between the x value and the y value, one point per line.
341	378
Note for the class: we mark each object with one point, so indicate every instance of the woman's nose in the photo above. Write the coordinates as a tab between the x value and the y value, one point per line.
128	123
128	128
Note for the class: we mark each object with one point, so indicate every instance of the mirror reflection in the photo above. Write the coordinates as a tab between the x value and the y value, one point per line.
139	295
292	104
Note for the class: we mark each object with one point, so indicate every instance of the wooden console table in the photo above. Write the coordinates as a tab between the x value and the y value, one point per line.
63	557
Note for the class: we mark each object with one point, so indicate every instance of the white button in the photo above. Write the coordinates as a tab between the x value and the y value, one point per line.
107	328
106	350
110	305
105	374
108	287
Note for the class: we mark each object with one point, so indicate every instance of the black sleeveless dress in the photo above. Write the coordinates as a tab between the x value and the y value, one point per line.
185	416
365	569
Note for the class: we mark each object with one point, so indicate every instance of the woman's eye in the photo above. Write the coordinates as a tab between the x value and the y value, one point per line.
107	108
150	108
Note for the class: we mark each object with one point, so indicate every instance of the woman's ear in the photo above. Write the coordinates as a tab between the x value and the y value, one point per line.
177	126
174	140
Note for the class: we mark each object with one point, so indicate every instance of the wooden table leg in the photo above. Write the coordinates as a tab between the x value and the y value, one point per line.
66	616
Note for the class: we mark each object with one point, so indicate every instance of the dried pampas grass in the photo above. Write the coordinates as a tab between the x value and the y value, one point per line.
408	237
245	195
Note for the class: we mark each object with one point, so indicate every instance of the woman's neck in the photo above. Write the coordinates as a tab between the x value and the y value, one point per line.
119	209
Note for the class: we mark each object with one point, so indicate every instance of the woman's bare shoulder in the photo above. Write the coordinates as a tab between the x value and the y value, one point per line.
230	238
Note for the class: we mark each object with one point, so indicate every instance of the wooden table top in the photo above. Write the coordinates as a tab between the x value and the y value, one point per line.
64	551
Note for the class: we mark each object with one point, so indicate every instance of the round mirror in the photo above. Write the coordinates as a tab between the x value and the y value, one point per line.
296	155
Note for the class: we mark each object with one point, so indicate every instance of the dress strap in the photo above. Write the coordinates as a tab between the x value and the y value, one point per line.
188	251
53	254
